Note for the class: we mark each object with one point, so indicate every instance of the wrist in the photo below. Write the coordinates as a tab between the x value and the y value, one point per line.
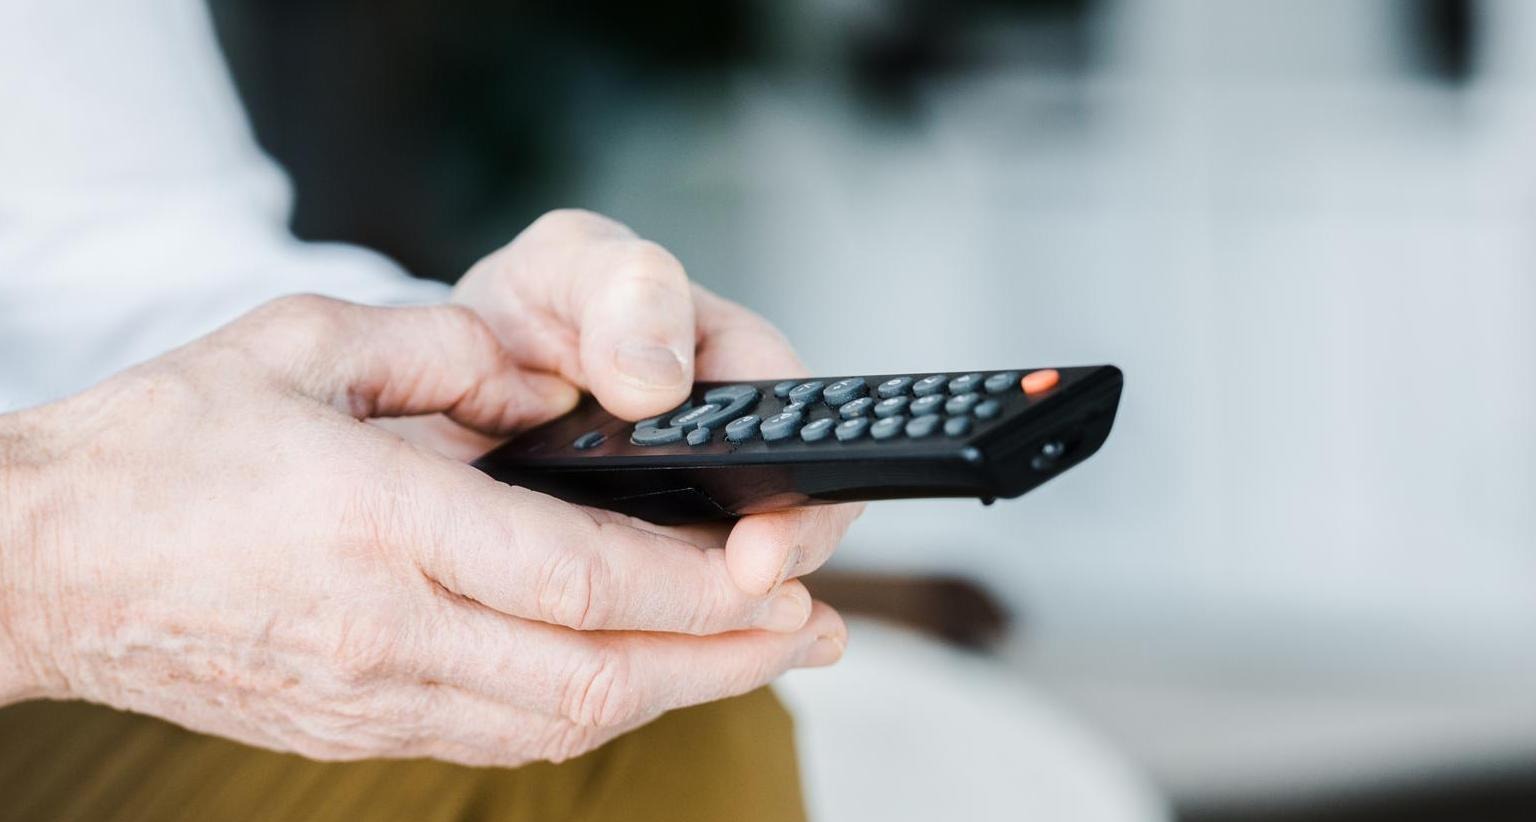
29	511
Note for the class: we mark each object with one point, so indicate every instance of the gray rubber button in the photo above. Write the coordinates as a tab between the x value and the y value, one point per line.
962	403
688	420
920	427
855	408
989	409
734	400
591	439
957	426
781	426
842	391
965	384
893	387
806	391
887	428
998	383
818	430
850	430
656	421
698	436
930	385
743	429
794	408
781	390
891	406
923	406
656	436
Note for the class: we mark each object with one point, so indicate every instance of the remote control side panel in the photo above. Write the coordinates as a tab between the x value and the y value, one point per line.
740	448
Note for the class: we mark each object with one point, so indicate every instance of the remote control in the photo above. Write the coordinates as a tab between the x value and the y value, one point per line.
742	448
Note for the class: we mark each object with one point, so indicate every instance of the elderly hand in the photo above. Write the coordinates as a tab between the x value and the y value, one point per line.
219	539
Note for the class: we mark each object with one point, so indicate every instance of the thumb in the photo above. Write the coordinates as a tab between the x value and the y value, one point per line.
580	295
395	362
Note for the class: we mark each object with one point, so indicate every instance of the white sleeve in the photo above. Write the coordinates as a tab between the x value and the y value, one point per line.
136	211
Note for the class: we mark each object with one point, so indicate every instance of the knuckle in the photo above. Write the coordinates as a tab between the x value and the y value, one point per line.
565	741
364	650
602	692
570	590
474	333
650	264
298	319
577	222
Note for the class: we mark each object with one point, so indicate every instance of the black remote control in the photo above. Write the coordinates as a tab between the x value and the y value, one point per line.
741	448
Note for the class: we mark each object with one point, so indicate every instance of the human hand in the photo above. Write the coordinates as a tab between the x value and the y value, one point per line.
217	538
580	296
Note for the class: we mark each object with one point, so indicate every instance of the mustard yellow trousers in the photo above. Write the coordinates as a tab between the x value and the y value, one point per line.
732	760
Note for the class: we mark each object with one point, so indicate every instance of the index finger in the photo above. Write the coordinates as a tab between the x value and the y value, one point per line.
764	550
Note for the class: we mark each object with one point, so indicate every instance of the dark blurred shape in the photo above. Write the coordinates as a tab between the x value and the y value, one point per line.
434	134
1511	798
954	609
1444	37
922	38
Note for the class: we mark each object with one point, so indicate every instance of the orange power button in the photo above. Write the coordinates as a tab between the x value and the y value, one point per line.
1039	382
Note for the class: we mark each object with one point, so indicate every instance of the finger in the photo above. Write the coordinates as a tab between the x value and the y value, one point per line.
580	295
438	433
608	680
735	343
530	555
381	362
764	550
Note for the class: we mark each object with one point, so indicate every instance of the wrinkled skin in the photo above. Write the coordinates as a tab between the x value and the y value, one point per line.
270	534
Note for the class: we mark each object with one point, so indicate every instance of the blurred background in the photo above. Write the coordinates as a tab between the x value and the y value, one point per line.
1298	583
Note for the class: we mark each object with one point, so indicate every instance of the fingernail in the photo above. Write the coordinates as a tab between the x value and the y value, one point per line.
649	364
785	612
824	651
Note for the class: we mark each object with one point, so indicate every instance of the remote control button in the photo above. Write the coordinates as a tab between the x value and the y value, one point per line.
1053	449
806	391
743	429
781	426
656	421
893	387
699	436
989	409
855	408
965	384
999	383
794	408
1039	382
850	430
962	404
930	385
734	400
656	436
818	430
891	406
923	406
919	427
781	390
690	418
842	391
591	439
957	426
887	428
